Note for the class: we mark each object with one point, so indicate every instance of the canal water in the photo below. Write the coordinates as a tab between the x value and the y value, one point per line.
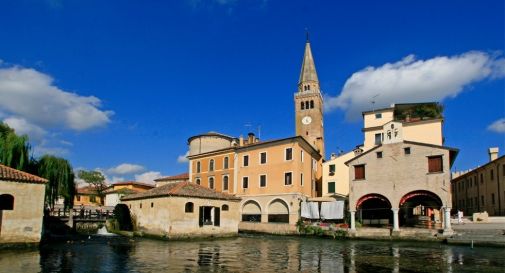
249	253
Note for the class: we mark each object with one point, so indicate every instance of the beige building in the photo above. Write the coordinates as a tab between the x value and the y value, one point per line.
86	196
272	177
183	177
116	191
481	189
21	206
336	176
184	210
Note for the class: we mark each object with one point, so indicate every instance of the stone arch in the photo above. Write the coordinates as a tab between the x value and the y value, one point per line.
374	210
123	216
251	211
6	202
278	211
421	208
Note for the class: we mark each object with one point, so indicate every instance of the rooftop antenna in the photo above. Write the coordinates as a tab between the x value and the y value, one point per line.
248	126
373	101
259	132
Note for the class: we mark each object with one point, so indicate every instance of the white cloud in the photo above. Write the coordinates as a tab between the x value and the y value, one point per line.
497	126
148	177
31	95
183	158
411	80
23	127
126	168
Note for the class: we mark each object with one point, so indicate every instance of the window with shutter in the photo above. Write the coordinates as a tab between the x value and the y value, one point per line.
435	164
359	172
217	216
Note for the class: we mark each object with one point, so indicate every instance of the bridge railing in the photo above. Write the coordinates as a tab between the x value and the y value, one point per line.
95	214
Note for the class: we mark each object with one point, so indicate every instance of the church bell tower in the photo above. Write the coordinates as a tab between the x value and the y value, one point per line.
309	103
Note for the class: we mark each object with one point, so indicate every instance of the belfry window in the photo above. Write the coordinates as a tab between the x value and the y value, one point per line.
308	87
311	104
306	105
302	105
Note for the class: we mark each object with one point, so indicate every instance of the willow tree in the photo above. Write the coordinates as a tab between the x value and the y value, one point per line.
61	176
14	149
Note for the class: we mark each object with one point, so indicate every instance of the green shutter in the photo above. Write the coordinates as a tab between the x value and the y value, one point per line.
331	187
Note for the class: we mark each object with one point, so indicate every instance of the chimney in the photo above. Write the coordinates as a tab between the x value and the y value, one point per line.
241	141
333	156
493	153
250	138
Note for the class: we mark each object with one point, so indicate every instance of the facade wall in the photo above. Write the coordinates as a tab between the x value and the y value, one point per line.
206	143
112	199
481	190
370	119
86	200
397	174
424	131
23	224
217	174
340	177
166	216
290	200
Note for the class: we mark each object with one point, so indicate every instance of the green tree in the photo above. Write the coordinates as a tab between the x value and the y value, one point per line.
14	149
96	181
61	176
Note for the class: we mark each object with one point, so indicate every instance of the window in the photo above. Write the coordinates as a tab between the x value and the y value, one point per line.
378	139
225	163
359	172
288	178
205	216
331	187
188	208
211	165
491	174
482	200
481	179
435	164
92	199
378	115
6	202
225	183
289	154
263	158
406	150
245	161
379	154
198	181
492	198
152	204
332	169
302	105
140	206
78	198
245	182
301	155
263	180
307	105
311	104
225	208
308	87
301	179
198	167
211	182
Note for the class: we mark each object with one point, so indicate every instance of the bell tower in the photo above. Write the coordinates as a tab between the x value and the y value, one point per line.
309	103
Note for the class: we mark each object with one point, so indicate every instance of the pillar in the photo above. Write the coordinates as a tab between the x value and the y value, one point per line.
353	221
447	219
396	223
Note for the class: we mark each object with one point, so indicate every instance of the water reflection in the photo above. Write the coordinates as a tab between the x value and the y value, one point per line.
250	254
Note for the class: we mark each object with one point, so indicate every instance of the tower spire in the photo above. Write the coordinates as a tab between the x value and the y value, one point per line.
308	74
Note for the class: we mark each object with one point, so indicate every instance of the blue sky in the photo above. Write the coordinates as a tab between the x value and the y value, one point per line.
121	85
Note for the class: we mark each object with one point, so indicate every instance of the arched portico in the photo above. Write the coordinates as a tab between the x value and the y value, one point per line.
278	211
421	208
251	211
374	210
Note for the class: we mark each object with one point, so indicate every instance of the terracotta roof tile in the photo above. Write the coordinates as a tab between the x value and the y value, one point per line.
10	174
182	176
186	189
125	183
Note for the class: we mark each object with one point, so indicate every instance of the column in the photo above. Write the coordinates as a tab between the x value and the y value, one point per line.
353	221
396	224
447	218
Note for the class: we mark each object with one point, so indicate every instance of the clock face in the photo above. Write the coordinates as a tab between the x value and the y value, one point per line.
306	120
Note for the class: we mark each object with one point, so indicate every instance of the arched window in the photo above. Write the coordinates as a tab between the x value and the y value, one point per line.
302	105
225	208
225	163
308	87
211	182
307	105
198	181
189	207
311	104
211	165
198	167
225	183
6	202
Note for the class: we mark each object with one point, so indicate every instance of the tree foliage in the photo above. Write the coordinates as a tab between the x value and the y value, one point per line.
96	181
14	149
61	176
